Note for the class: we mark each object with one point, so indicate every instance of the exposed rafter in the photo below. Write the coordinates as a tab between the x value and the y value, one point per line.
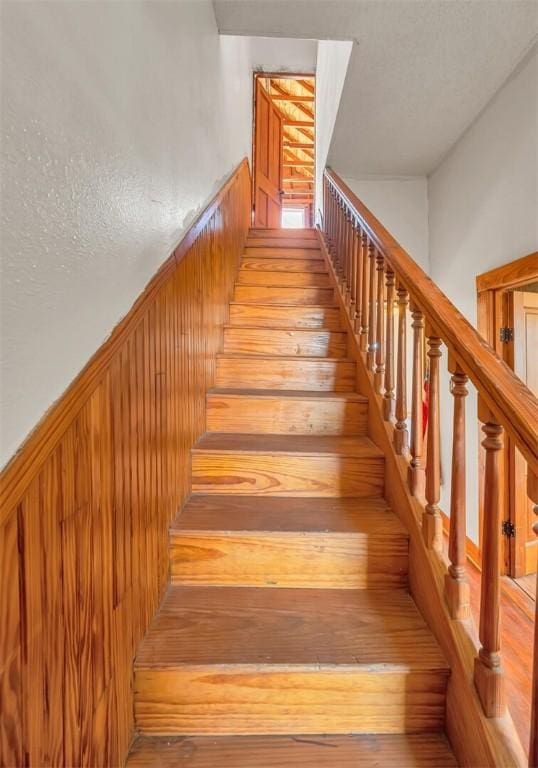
290	97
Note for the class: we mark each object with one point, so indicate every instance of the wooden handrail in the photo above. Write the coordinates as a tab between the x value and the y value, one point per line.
512	403
505	405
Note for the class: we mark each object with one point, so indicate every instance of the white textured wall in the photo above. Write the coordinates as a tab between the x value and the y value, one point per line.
280	54
401	205
119	121
331	67
483	210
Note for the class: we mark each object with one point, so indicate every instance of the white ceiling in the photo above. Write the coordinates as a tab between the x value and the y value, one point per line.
420	71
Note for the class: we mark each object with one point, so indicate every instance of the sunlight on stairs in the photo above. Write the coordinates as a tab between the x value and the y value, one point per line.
288	617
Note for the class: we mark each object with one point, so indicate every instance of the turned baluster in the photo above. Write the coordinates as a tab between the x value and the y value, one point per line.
353	271
400	429
325	207
330	221
487	668
370	357
380	326
388	397
346	294
416	475
358	281
365	293
341	249
456	583
532	492
343	254
432	524
338	243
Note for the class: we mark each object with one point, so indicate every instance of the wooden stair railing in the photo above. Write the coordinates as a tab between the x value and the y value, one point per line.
369	263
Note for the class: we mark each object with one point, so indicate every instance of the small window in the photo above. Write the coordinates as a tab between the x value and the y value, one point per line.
293	218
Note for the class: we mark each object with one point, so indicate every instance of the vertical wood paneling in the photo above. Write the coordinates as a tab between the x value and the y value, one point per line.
83	541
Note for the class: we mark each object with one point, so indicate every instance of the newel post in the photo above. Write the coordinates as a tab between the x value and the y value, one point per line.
532	492
456	582
487	670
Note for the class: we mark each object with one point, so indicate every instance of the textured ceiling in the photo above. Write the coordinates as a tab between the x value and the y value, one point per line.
420	70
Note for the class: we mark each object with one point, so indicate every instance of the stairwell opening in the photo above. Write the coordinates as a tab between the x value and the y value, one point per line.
283	150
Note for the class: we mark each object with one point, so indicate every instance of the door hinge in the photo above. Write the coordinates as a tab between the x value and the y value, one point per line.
508	529
506	334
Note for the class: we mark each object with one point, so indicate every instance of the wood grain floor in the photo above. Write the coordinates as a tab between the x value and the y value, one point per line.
517	638
429	750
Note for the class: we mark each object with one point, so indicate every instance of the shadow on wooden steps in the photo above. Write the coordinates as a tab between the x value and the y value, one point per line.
288	612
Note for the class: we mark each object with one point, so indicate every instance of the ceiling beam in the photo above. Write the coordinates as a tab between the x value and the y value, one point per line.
291	97
308	132
298	123
307	86
282	92
297	145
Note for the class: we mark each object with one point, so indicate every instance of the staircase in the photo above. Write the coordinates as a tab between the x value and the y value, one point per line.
287	636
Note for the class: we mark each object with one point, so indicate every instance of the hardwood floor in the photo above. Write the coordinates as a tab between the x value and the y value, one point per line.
371	751
528	584
517	637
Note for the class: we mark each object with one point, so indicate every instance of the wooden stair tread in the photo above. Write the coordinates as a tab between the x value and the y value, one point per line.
288	394
292	330
261	264
260	303
320	374
325	286
426	750
282	232
379	631
302	445
241	513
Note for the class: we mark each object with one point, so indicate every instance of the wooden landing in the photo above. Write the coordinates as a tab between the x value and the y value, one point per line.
429	750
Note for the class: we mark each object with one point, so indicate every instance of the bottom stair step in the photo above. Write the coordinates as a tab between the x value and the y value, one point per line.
238	661
429	750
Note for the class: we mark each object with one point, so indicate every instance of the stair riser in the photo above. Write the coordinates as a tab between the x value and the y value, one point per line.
267	316
309	375
255	415
285	475
277	559
274	252
304	249
285	234
236	699
266	294
267	277
259	341
253	264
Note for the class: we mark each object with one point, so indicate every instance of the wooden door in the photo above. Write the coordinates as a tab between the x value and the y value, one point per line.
267	161
525	308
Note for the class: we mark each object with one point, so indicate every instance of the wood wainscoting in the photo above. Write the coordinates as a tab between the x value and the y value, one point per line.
86	505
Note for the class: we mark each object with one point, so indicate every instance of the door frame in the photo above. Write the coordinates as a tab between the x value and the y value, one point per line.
276	75
495	310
